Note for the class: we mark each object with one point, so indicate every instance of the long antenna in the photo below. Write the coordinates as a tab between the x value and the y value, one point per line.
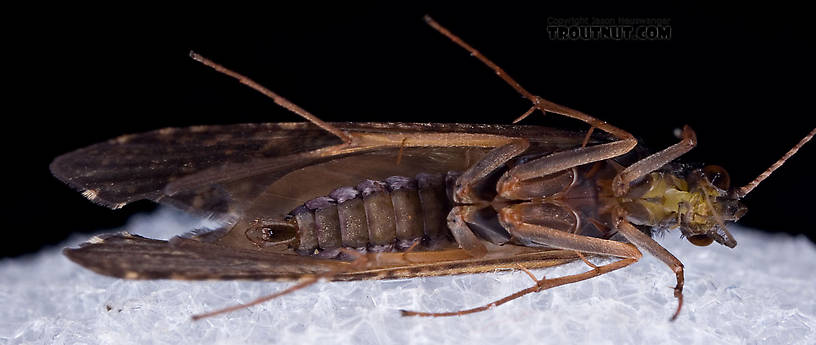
744	190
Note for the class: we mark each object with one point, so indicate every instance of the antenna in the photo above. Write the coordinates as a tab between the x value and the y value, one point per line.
744	190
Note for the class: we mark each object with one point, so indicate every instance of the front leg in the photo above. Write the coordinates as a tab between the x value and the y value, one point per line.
648	244
621	182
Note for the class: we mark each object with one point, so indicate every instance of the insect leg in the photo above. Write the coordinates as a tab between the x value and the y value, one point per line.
463	194
621	182
538	102
360	260
540	284
559	161
513	221
283	102
462	190
648	244
462	233
585	260
305	283
587	136
512	218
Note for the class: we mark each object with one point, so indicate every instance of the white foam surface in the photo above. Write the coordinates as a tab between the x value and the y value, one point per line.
761	292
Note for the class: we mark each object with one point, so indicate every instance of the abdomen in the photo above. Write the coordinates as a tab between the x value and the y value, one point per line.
374	215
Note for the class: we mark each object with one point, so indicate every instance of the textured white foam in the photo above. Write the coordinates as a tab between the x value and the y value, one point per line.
760	292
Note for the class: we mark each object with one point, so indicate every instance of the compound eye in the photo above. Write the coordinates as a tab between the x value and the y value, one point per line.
700	240
717	176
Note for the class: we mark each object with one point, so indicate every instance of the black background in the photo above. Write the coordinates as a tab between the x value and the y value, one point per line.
741	77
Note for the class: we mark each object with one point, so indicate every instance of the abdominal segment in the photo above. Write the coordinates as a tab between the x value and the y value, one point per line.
374	216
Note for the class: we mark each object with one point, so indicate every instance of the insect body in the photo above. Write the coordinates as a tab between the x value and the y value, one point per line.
387	200
394	213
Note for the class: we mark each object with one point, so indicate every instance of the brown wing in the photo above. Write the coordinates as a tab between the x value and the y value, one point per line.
139	166
222	169
123	255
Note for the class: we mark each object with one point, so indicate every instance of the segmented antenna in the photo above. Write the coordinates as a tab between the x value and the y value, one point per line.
744	190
